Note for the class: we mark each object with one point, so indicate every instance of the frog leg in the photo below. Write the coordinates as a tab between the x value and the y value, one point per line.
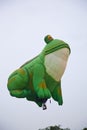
57	94
17	83
39	82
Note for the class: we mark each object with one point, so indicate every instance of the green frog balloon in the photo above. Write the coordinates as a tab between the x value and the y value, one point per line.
40	78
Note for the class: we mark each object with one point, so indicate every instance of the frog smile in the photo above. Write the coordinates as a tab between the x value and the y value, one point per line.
54	48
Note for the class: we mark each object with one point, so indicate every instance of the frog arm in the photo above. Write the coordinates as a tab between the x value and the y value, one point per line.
39	82
57	94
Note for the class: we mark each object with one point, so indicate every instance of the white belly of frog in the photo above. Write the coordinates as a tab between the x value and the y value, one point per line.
55	63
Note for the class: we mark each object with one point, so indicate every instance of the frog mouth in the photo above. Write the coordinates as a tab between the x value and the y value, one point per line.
55	48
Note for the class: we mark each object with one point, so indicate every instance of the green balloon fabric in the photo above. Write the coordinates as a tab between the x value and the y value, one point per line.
40	78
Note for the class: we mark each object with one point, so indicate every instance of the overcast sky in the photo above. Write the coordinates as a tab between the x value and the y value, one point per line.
23	25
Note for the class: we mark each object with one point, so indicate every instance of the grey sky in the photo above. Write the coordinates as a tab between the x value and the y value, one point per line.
23	25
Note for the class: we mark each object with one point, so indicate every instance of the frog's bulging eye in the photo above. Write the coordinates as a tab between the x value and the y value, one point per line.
48	38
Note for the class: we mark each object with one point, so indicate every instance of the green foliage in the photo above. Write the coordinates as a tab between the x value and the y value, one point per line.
54	128
85	129
57	128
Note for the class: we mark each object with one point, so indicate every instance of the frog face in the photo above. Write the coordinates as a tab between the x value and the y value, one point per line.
54	45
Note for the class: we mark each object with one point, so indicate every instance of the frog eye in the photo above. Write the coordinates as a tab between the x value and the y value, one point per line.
48	38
